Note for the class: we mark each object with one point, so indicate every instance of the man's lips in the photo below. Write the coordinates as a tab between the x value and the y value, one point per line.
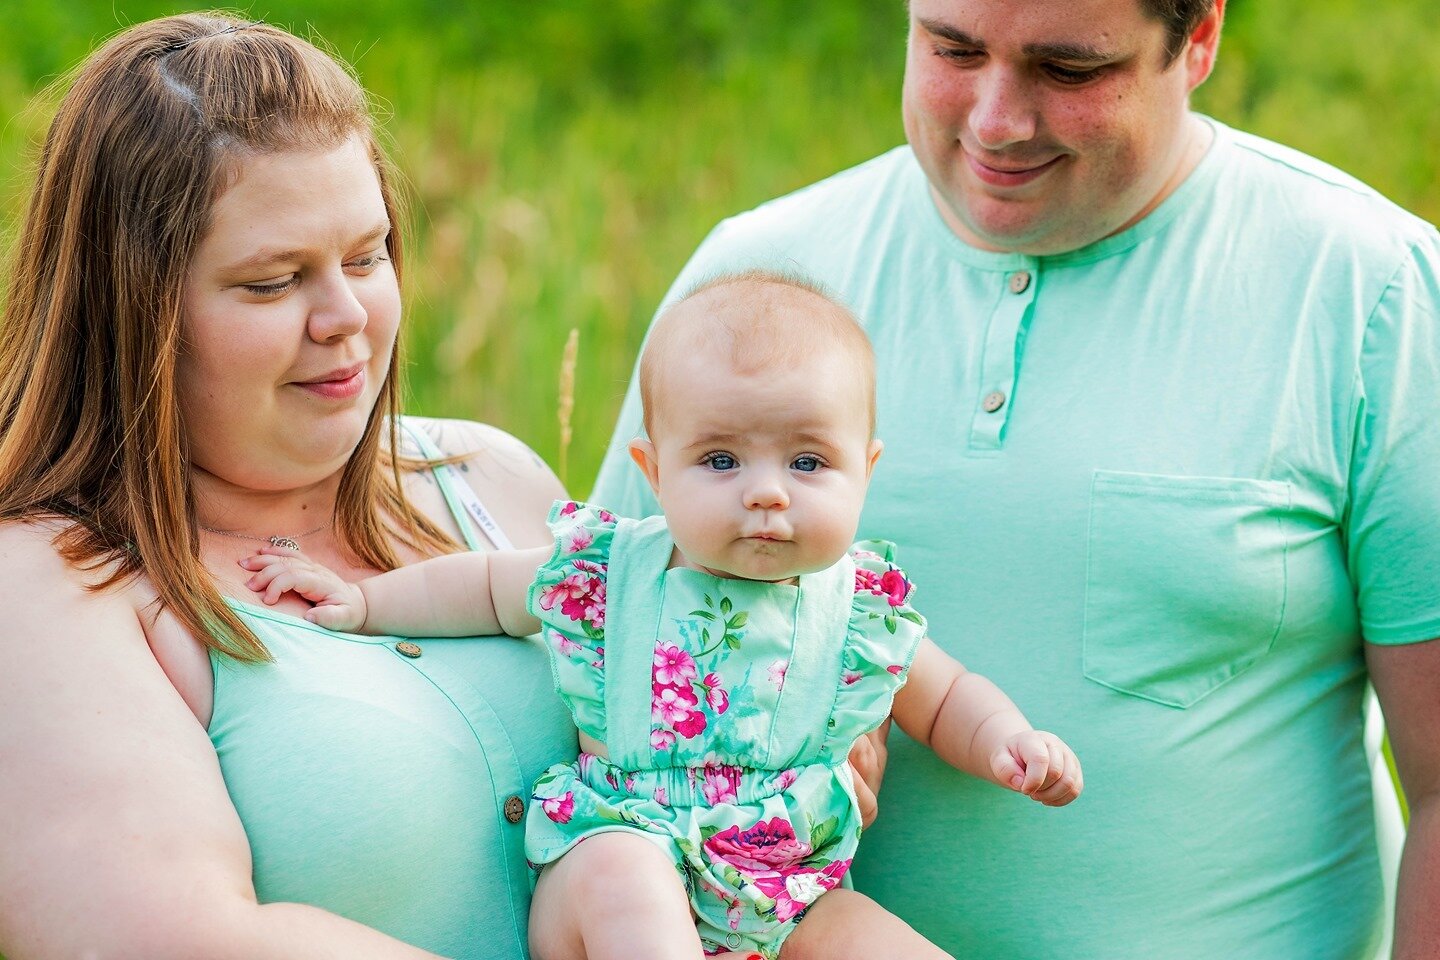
340	384
1010	174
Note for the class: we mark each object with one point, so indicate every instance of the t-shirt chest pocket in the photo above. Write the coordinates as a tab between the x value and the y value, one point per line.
1184	583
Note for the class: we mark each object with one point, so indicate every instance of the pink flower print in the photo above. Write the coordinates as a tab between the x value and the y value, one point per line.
559	809
867	580
581	598
608	517
777	673
579	539
661	739
588	566
794	890
896	669
569	508
867	555
662	796
673	666
671	705
765	847
564	644
734	913
720	784
895	587
850	677
599	662
629	784
691	726
583	763
715	694
785	778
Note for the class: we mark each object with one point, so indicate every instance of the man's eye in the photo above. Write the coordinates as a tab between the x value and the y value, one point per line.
721	461
958	55
1069	76
806	464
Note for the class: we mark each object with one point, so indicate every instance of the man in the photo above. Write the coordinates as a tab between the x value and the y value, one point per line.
1161	406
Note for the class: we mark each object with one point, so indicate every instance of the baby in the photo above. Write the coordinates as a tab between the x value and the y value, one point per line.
720	661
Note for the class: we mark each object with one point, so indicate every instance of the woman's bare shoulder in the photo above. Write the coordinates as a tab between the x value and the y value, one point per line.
513	482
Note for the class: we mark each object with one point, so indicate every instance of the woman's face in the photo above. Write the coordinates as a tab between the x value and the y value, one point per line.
290	313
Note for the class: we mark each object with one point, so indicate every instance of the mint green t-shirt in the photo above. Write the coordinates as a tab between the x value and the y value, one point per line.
386	779
1158	489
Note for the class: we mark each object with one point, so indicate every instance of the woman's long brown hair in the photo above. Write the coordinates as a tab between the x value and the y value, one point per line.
144	141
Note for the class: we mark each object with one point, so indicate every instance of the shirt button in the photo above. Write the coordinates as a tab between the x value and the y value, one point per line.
732	940
1020	281
411	650
514	809
993	401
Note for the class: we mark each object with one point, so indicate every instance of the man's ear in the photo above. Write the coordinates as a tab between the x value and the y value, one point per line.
642	451
1204	43
872	453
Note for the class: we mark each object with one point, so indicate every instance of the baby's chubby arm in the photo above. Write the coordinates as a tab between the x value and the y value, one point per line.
972	725
457	595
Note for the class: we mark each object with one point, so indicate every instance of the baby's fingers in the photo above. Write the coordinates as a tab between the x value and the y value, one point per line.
1007	770
335	616
1067	782
1035	757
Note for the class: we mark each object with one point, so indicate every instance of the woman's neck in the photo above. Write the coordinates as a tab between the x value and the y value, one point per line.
223	506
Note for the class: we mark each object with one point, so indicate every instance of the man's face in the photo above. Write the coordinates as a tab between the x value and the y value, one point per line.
1044	125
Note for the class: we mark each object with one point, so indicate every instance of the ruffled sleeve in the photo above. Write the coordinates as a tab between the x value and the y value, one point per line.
883	635
568	596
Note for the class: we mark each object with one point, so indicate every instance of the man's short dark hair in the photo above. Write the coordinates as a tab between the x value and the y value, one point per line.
1180	17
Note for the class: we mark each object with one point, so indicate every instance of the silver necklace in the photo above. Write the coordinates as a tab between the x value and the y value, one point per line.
279	540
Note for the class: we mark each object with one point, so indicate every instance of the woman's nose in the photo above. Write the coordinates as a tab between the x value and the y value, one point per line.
335	312
1003	113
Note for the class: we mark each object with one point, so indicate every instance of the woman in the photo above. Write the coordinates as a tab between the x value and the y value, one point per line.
198	356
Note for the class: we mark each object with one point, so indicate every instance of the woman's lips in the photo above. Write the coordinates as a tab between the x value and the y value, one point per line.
1011	177
343	385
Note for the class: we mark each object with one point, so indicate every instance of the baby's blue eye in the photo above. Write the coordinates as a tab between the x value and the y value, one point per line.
721	461
806	464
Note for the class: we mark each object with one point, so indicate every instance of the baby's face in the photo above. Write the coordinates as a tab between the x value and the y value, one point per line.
761	475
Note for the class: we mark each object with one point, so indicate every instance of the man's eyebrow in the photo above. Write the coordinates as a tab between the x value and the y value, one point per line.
267	258
1082	53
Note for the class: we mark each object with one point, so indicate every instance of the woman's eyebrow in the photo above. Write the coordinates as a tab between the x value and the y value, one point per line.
262	259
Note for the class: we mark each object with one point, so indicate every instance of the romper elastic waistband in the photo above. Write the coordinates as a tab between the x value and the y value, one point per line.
696	786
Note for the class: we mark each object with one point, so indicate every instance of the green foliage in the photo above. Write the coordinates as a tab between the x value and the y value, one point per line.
566	157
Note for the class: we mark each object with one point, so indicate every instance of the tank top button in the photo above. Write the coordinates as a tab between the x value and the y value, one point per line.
411	650
514	809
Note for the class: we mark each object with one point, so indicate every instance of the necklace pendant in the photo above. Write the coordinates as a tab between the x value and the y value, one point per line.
286	543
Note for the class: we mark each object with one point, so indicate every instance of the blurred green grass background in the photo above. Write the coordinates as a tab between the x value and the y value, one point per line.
566	157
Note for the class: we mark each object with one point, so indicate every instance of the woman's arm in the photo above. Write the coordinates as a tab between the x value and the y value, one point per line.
973	726
118	836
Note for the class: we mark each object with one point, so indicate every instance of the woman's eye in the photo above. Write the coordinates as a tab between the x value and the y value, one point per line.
271	289
806	464
721	461
367	263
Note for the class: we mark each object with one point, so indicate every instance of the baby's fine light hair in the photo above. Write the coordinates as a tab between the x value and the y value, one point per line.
757	320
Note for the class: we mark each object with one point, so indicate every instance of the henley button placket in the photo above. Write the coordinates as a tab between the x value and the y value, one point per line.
1001	359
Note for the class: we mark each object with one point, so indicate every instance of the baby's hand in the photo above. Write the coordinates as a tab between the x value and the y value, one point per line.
1039	765
338	605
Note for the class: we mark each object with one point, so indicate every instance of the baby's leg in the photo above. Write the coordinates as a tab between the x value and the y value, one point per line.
845	925
614	896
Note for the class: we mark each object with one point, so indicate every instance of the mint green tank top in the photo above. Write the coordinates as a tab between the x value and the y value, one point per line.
386	788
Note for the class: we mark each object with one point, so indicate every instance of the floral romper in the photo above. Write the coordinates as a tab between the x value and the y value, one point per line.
728	708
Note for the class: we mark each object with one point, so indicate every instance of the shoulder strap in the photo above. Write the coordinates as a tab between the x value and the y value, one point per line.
459	496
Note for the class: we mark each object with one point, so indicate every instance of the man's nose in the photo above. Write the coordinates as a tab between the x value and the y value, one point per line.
1003	113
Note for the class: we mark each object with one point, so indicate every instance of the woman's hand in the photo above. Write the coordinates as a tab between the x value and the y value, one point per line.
338	605
867	759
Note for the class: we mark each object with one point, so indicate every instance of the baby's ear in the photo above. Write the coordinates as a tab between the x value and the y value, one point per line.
642	451
872	453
